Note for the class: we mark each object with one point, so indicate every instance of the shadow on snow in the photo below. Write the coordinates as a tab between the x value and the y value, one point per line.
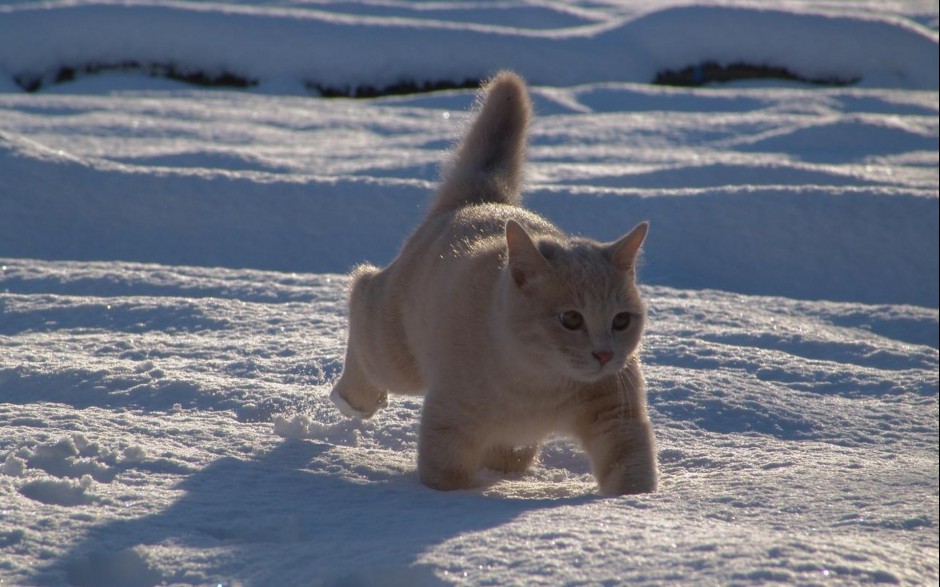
273	520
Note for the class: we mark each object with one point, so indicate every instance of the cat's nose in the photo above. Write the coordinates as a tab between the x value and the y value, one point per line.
603	357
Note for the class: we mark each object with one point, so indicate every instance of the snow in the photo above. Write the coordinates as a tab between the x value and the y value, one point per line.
274	44
172	292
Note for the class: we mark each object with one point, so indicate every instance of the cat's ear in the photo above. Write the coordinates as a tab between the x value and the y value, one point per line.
526	263
623	253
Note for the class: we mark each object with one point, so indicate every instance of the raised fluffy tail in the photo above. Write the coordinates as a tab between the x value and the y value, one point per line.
487	165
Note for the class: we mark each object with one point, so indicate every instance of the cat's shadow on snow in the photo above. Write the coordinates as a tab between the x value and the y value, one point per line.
276	519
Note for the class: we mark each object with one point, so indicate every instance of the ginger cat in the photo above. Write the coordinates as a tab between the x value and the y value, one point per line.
511	329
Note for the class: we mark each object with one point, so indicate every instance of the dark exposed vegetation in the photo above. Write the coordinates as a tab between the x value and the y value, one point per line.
711	72
397	89
694	75
67	73
31	82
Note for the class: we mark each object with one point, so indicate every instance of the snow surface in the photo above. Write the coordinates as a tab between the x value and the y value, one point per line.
172	305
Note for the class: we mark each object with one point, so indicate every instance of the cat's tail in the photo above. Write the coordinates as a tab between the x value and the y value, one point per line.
487	164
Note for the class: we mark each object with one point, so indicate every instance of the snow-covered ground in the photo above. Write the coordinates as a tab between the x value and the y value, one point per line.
172	314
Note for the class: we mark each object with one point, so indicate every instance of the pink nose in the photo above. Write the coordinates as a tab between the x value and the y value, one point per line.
603	357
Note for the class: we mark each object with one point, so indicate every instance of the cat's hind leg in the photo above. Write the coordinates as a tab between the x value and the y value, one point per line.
509	459
355	394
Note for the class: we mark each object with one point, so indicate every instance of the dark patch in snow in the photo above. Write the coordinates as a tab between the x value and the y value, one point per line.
32	82
400	88
711	72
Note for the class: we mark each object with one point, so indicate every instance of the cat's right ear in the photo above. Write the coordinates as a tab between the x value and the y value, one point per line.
526	263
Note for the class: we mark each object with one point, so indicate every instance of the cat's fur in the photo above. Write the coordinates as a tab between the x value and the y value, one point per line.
472	314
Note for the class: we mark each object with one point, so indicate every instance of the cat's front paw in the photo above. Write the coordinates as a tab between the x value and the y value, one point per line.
445	477
625	461
507	459
635	472
630	482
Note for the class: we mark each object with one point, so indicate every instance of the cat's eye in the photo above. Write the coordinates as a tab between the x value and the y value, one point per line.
571	320
622	321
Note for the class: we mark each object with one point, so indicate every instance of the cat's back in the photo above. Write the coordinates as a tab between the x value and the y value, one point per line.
445	277
483	227
468	243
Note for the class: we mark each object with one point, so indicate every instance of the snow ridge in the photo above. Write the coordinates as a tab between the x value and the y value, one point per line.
192	37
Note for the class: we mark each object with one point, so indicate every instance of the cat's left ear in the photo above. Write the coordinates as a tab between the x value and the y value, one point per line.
623	253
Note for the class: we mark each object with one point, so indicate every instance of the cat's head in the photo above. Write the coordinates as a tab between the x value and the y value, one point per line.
573	304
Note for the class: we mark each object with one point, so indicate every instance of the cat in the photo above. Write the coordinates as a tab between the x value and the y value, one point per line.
511	329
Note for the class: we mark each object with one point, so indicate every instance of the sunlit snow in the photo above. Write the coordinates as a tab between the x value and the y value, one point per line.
172	289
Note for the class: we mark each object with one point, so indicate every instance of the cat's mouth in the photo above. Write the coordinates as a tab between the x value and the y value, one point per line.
592	372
